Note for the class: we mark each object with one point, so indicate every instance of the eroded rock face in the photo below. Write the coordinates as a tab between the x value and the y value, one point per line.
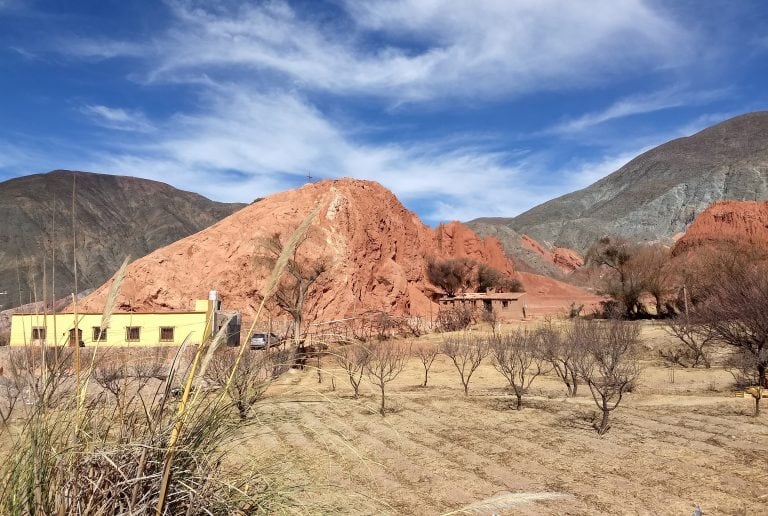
375	247
567	260
741	222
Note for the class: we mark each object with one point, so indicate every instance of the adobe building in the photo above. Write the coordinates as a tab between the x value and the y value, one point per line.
504	305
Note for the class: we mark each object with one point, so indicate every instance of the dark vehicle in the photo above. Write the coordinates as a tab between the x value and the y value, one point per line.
264	340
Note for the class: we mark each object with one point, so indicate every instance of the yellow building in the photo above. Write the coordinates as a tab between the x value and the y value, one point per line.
125	329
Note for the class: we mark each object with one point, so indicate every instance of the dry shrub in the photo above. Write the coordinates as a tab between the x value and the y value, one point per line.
253	373
455	318
46	375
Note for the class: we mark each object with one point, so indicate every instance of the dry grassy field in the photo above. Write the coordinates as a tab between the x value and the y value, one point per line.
671	445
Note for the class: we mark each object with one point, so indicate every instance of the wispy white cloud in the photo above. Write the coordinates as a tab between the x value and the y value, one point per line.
101	48
434	49
637	105
117	118
273	140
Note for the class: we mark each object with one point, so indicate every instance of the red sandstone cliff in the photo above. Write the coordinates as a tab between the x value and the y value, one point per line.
738	222
376	249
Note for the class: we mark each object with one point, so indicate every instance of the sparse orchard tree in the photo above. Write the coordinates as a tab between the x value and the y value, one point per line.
353	359
609	364
466	353
426	353
696	343
734	311
301	273
517	356
386	361
558	349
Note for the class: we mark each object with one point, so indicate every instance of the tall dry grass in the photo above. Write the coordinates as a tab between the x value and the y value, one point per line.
164	452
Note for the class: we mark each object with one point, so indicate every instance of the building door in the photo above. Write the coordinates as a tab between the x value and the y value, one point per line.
72	340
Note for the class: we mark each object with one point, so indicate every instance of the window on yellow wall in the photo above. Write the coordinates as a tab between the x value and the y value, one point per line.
166	334
99	335
38	333
133	333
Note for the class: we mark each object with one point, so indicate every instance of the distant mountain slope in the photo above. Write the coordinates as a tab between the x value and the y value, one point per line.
528	254
115	216
656	194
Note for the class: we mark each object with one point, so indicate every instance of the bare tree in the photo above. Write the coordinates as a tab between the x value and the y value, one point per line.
696	343
426	353
11	387
652	261
489	278
385	362
557	347
453	275
466	353
608	364
112	376
734	311
518	358
296	284
45	374
353	358
244	380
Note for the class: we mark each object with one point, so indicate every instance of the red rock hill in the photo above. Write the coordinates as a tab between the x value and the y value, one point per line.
742	222
376	248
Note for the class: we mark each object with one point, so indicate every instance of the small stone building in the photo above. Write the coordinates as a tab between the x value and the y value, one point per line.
504	305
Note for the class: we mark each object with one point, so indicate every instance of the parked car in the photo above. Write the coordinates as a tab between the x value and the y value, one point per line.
264	340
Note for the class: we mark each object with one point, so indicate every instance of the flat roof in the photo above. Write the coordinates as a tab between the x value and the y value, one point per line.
474	296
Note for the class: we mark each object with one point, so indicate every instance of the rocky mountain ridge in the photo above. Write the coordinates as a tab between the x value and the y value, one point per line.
655	195
116	217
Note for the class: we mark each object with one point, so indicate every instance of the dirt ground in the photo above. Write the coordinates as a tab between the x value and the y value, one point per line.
671	446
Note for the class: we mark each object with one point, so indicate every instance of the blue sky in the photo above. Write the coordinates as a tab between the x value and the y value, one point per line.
462	108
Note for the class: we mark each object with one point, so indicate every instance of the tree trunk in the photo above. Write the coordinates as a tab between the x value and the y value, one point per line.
426	376
466	389
382	400
760	387
603	428
574	384
519	401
